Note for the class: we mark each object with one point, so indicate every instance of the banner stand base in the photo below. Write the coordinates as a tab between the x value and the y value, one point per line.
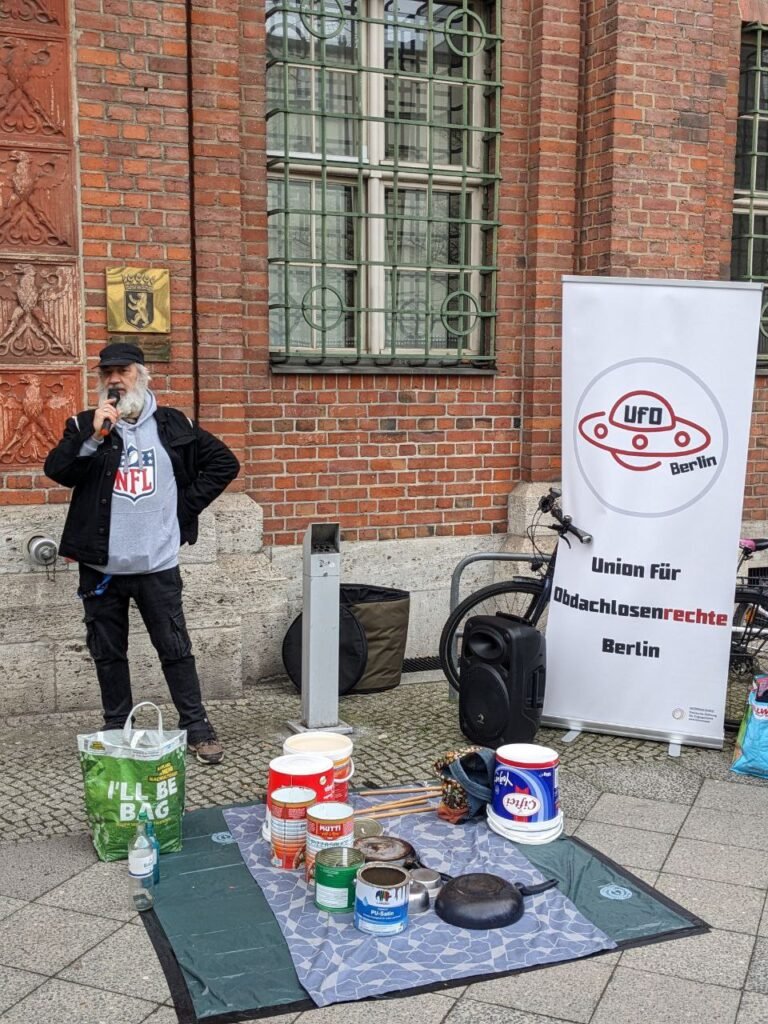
672	739
572	736
674	750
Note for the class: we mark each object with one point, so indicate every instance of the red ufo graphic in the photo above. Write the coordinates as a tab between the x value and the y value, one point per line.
642	429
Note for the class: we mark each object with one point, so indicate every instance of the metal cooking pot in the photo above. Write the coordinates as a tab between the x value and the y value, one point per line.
386	850
484	901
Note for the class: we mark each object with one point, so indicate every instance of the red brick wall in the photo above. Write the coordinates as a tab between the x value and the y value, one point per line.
134	153
658	136
136	204
551	206
218	219
620	163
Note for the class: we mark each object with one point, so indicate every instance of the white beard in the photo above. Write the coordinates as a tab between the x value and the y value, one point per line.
132	402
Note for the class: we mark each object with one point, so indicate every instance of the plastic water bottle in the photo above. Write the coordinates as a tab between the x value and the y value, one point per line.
141	863
155	846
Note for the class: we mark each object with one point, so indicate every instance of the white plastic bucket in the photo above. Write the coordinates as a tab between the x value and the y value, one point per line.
328	744
525	805
519	835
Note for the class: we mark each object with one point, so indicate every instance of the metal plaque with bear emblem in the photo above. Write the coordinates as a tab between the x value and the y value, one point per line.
138	301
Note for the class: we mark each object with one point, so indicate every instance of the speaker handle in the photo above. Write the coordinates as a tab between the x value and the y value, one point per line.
534	697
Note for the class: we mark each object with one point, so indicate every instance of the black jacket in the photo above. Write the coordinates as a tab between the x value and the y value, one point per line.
202	465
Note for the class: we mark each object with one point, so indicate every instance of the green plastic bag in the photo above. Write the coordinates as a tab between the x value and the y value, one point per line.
129	770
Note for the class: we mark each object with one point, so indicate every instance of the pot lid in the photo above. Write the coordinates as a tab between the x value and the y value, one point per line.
385	848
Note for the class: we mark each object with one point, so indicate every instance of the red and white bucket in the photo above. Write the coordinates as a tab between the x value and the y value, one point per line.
312	771
327	744
329	824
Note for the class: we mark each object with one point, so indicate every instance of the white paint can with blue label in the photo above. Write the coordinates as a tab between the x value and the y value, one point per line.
525	805
381	899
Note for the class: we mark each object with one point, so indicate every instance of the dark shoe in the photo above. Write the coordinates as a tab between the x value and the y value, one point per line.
207	749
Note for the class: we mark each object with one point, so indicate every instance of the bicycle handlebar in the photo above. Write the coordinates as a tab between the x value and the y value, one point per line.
549	503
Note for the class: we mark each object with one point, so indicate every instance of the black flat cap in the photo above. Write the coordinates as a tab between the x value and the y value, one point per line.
120	353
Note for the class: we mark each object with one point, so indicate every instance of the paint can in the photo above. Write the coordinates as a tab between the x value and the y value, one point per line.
288	825
311	770
381	899
336	871
525	805
328	744
328	825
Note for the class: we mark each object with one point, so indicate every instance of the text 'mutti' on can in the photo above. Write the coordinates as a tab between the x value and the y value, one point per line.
328	824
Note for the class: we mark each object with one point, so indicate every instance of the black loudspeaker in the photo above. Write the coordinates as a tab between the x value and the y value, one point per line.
502	673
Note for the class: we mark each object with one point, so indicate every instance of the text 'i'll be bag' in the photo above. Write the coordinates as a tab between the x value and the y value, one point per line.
126	771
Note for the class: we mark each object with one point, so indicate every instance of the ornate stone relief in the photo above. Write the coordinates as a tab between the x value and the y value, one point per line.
33	13
38	312
33	90
36	195
33	410
40	319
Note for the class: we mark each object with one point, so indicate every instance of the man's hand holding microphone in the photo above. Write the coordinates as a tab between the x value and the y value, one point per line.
106	415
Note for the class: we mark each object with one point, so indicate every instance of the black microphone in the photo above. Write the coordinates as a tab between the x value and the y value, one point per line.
107	425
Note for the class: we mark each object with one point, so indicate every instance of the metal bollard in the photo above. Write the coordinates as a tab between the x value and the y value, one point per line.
320	630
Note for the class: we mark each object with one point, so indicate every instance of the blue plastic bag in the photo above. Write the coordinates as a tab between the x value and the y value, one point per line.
751	752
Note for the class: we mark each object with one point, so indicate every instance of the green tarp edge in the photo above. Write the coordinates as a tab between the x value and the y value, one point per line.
218	925
609	896
214	914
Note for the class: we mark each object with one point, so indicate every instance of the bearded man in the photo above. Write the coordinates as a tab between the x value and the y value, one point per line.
141	475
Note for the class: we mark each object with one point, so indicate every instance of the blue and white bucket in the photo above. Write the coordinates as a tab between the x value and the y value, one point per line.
525	805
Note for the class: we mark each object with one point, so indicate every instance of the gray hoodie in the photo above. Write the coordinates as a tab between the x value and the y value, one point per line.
144	528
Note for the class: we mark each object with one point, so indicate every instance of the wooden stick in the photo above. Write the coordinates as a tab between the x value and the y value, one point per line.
397	791
388	805
405	810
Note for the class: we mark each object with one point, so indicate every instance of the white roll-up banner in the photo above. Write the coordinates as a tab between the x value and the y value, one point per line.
657	396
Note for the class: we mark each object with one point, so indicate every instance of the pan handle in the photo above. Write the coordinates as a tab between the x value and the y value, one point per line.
533	890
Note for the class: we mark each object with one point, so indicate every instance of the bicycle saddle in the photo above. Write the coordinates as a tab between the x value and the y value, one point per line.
753	543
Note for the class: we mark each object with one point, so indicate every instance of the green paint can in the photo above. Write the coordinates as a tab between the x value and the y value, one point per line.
335	872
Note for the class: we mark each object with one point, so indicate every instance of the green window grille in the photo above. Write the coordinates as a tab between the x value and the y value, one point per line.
382	201
749	250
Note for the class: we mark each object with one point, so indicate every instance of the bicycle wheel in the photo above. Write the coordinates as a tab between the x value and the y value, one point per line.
749	648
515	599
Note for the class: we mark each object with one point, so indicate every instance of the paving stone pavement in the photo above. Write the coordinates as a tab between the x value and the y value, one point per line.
72	951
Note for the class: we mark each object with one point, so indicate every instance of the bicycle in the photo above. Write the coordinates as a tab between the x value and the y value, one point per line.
522	598
526	599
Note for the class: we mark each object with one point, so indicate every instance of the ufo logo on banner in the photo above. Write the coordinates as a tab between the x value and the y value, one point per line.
649	437
642	430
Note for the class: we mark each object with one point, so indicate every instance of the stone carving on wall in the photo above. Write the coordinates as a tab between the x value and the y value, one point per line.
36	209
36	12
38	312
33	410
32	87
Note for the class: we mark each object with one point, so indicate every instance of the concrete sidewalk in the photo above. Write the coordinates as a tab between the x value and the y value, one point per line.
72	951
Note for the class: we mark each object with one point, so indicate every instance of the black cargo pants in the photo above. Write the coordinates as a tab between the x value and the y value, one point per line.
157	595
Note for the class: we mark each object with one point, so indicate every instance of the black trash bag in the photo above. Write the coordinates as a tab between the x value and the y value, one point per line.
353	651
